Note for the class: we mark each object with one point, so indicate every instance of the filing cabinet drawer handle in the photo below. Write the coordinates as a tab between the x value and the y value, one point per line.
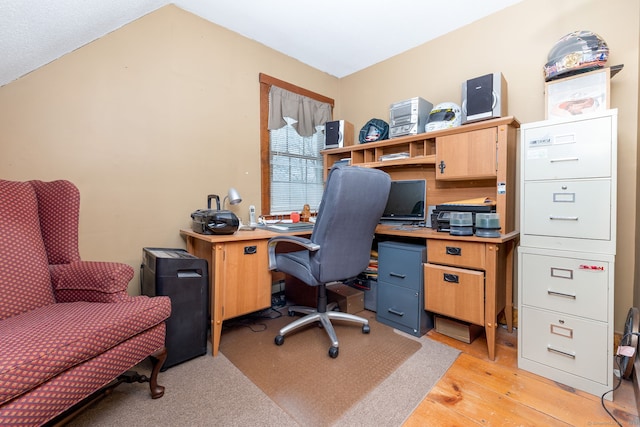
563	218
451	278
396	312
452	250
401	276
565	159
561	353
560	294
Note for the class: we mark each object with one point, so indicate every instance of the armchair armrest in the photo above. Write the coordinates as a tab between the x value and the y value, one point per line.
91	281
297	241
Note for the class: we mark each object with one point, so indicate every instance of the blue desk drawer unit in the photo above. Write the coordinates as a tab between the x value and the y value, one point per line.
400	300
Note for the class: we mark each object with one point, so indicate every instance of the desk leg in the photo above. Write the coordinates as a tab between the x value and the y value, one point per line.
491	321
216	297
508	310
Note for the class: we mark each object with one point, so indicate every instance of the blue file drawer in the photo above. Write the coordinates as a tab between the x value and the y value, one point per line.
400	293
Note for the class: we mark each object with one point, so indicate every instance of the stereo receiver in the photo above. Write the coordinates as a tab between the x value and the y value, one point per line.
408	117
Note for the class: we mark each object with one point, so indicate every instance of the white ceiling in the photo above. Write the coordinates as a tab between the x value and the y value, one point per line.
339	37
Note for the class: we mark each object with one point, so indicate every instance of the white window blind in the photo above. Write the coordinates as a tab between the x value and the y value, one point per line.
296	169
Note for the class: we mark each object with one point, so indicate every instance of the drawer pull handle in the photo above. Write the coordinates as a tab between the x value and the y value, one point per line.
560	352
560	294
563	218
396	312
451	278
565	159
452	250
401	276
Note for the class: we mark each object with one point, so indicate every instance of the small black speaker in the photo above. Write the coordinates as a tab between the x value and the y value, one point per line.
338	133
484	97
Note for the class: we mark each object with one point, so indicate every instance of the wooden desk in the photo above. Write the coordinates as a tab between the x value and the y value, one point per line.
240	280
239	276
488	261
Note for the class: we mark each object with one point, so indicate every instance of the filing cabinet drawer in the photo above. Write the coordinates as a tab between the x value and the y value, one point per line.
402	309
569	150
454	292
575	209
579	287
564	342
401	264
456	253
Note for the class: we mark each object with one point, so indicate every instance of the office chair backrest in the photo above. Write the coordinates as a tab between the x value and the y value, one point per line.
352	204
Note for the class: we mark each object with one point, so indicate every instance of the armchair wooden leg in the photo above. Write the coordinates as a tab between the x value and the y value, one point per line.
157	360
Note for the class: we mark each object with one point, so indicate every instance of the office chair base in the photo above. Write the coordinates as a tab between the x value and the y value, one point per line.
313	316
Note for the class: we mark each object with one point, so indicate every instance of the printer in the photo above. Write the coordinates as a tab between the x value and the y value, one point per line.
441	215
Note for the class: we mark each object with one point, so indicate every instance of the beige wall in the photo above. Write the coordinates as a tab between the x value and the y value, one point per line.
151	118
146	121
516	42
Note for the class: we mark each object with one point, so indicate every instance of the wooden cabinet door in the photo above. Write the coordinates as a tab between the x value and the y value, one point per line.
467	155
246	277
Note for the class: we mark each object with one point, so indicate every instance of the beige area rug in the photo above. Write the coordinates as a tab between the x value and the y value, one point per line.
212	391
299	375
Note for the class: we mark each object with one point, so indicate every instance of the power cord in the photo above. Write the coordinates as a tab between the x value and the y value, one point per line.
617	361
611	391
253	321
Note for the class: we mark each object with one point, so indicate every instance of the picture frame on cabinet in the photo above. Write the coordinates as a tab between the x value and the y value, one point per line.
580	94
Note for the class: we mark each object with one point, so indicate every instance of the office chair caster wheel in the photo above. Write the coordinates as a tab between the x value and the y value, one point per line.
366	329
333	352
279	340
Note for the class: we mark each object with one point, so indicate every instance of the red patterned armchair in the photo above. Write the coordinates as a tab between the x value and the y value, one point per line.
67	327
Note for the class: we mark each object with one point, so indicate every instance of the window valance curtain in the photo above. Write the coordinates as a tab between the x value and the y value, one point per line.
307	112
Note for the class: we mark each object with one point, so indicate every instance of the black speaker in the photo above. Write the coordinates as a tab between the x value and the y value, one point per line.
184	279
484	97
338	133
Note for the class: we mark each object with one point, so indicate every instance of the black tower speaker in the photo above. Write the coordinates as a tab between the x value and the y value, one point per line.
481	100
484	97
184	279
338	133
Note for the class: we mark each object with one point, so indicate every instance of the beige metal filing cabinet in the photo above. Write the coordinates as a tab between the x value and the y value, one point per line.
566	257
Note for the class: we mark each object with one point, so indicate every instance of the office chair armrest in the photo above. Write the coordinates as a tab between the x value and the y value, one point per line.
295	240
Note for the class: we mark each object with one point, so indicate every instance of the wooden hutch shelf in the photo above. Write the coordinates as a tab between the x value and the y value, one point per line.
470	161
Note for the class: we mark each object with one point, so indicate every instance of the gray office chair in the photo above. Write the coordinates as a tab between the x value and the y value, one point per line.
340	245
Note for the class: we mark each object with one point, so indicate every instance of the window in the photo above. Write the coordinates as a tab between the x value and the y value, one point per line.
291	165
296	169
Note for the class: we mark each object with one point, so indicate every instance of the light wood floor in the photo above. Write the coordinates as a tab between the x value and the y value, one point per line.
477	391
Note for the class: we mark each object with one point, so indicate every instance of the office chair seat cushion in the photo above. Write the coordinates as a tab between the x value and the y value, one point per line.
296	264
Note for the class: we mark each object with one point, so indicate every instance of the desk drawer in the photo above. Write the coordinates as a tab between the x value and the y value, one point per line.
454	292
400	308
401	264
456	253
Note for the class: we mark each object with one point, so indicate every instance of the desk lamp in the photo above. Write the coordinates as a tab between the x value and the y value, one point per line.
233	196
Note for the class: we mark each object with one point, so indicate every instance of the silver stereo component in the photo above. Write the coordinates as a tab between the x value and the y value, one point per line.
408	117
484	97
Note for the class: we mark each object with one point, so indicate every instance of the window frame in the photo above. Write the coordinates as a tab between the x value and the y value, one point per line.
265	167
